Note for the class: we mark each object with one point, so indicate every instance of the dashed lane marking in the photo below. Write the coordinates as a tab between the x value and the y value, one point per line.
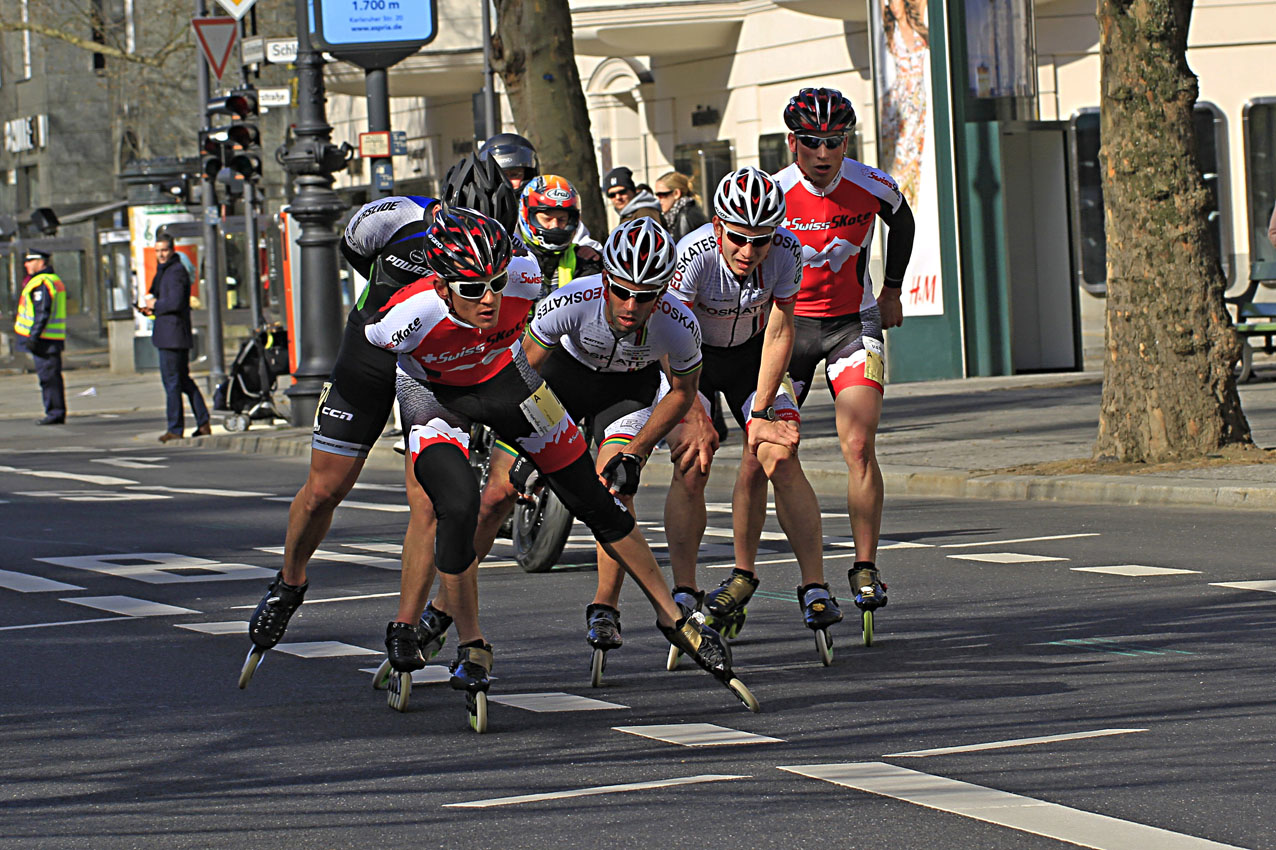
1018	540
161	567
1014	742
24	583
198	491
343	557
556	701
352	503
1133	570
1007	558
697	735
590	792
93	495
430	674
128	606
64	623
83	478
1002	808
324	649
228	627
1266	586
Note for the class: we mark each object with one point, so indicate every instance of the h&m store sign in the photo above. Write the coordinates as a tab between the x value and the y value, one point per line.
26	134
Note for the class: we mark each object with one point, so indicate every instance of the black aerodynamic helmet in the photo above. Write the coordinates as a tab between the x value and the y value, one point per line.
512	151
476	182
463	244
819	111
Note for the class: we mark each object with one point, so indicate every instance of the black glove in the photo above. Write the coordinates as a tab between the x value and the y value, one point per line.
621	473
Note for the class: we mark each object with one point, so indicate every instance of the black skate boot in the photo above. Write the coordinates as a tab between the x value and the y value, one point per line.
688	600
603	634
403	655
819	611
471	672
870	593
727	605
269	622
707	648
433	632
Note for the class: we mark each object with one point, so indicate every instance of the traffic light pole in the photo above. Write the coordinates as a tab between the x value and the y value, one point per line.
377	88
312	158
252	254
213	276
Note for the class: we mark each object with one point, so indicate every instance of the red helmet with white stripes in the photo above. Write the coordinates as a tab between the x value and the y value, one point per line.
819	111
463	244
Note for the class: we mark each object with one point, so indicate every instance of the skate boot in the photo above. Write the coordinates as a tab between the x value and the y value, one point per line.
433	630
820	610
870	593
604	634
471	672
707	648
403	655
727	605
270	621
688	600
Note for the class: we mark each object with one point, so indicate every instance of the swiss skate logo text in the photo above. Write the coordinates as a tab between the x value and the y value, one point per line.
403	333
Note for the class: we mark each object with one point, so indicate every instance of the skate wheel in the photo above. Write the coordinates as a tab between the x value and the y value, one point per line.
251	663
433	648
381	678
824	644
400	691
745	696
597	664
672	663
477	705
868	628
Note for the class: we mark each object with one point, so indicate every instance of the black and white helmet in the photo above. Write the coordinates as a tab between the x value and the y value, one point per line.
749	197
815	110
640	251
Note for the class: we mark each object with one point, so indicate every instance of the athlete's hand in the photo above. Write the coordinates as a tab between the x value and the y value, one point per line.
587	252
780	433
892	310
699	442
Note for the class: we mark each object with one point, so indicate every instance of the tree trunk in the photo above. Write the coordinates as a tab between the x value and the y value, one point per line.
535	55
1168	388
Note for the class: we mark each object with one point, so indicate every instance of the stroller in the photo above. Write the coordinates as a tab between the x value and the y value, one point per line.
248	391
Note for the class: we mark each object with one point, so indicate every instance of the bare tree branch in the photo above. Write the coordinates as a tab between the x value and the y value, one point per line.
155	60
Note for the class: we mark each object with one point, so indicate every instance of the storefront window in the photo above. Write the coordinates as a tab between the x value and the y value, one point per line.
706	163
1260	168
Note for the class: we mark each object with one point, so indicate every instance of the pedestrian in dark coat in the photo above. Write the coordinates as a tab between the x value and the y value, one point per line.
169	302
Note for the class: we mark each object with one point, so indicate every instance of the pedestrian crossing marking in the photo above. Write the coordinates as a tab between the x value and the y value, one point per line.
161	567
1015	742
1018	540
83	478
344	557
882	544
227	627
1007	558
352	503
430	674
198	491
93	495
24	583
596	790
132	462
697	735
128	606
1134	570
555	701
324	649
1267	586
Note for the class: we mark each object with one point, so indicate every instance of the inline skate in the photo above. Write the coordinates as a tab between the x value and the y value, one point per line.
269	622
727	605
471	672
603	622
403	655
707	648
870	593
688	600
433	631
819	611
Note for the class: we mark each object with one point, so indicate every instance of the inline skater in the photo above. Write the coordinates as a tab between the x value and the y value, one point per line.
832	206
548	220
455	335
740	274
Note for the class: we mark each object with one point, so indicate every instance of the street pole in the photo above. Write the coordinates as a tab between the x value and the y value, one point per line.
252	253
213	276
489	92
312	158
377	88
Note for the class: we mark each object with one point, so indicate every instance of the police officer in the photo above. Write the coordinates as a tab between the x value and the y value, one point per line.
41	326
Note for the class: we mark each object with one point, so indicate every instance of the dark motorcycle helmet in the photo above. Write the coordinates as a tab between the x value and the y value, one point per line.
476	182
511	150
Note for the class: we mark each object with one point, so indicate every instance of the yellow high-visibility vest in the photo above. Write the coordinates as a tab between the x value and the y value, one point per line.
56	327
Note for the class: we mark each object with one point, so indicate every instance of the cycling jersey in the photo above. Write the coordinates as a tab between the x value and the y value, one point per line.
435	346
383	243
835	226
575	318
732	311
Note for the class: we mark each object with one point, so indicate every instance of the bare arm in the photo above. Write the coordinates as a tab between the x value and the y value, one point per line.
536	353
668	412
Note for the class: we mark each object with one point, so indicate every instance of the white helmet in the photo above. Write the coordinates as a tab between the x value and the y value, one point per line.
750	198
640	251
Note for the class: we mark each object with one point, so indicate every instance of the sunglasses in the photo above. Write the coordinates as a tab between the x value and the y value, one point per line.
624	293
474	290
622	193
739	239
814	142
664	194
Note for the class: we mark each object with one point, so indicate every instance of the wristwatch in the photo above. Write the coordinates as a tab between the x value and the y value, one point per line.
767	414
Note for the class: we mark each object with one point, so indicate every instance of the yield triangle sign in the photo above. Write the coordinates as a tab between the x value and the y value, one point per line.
216	37
237	8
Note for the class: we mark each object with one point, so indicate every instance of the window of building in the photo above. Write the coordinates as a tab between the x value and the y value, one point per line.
1260	170
1089	239
97	21
706	163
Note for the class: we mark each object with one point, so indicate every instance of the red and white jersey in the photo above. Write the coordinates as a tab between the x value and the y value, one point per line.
435	346
835	226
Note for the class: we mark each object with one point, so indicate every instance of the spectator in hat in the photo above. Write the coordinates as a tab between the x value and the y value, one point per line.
41	329
625	197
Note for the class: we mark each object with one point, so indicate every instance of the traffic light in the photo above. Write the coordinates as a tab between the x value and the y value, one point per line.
232	152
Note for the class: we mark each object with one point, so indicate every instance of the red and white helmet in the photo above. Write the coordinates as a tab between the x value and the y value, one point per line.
749	197
819	111
548	193
640	251
463	244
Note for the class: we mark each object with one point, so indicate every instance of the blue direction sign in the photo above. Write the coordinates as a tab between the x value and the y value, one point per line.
373	33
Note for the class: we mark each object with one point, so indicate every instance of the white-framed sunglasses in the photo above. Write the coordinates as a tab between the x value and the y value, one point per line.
474	290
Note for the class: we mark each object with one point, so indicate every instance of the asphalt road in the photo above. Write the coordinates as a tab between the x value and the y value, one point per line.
122	730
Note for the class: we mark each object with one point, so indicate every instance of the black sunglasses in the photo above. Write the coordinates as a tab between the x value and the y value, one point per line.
814	142
624	293
474	290
620	194
739	239
664	194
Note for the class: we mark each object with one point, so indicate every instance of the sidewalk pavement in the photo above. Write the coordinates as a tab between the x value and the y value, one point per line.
945	439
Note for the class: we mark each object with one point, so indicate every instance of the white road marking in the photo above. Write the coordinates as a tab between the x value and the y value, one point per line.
324	649
104	480
542	703
24	583
351	503
329	599
1268	586
430	674
1133	570
828	556
590	792
128	606
1002	808
1018	540
710	531
1015	742
198	491
93	495
161	567
64	623
385	488
697	735
395	549
132	462
849	542
343	557
228	627
1006	558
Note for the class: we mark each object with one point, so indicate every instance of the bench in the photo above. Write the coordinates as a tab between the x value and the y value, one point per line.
1255	319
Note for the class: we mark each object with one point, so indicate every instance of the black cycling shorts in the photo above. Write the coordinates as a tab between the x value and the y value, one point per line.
850	346
598	399
733	372
357	397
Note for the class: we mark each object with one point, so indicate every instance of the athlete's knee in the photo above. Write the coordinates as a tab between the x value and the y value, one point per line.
447	479
779	463
323	492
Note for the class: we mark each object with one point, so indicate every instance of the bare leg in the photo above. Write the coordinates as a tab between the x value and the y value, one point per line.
462	593
685	521
498	500
330	480
749	513
635	556
797	509
858	411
